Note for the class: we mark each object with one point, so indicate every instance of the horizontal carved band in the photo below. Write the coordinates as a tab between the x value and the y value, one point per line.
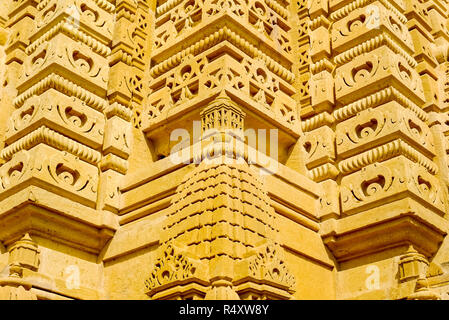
272	4
382	182
384	152
163	8
54	139
104	4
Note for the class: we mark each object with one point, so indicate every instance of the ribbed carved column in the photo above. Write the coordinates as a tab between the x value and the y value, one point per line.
385	151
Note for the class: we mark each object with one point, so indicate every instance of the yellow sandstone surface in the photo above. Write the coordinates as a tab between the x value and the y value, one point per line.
224	149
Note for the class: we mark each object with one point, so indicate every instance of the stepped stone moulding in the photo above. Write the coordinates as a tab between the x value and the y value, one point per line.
224	149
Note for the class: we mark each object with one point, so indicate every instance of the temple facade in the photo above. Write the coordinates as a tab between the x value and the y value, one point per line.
224	149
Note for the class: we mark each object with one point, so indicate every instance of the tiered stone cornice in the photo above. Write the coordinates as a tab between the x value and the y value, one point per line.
213	39
70	30
55	81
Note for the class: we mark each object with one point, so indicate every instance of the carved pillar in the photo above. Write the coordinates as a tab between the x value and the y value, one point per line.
384	146
117	139
23	260
18	21
428	28
57	54
198	54
5	111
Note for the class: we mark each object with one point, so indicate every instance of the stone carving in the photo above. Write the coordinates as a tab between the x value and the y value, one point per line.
93	93
23	254
171	267
268	266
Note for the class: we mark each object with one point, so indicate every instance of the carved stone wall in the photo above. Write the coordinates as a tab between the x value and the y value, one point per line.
100	99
